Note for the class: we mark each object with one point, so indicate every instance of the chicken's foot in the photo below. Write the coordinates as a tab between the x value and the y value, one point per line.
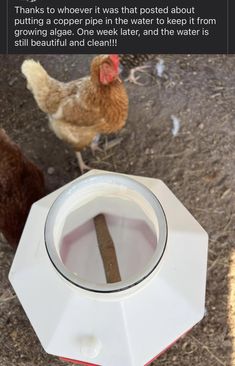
134	79
81	163
110	144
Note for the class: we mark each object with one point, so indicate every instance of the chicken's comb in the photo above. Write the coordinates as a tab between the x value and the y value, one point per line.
115	59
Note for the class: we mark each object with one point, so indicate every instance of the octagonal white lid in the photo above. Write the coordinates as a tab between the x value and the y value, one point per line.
135	220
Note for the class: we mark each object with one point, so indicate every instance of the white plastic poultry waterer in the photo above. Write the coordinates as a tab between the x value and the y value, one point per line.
111	270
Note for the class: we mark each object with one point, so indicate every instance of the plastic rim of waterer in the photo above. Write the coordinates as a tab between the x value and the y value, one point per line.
62	205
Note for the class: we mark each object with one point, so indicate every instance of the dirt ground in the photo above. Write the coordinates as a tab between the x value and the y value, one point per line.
198	165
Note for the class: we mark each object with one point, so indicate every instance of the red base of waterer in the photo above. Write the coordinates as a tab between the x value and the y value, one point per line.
148	363
78	362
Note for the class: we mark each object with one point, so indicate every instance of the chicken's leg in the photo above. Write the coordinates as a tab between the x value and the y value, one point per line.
95	145
111	144
81	163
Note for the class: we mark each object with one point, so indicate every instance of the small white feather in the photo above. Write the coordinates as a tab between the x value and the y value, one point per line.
160	67
176	125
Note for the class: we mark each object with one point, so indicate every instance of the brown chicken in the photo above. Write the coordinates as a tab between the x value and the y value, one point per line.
21	184
82	109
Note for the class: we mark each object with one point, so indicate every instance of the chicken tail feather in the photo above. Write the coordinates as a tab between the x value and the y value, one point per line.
38	81
34	73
